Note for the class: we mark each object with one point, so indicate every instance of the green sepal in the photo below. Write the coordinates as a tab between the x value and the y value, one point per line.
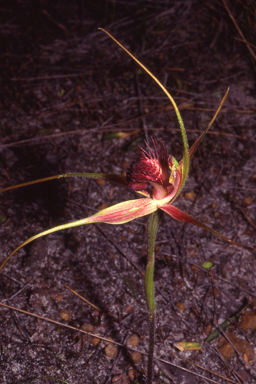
117	179
200	138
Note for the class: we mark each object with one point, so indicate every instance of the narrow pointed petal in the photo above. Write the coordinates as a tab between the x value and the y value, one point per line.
117	179
186	218
117	214
185	160
195	145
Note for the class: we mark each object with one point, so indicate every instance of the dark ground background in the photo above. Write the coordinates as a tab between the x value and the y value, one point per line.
64	87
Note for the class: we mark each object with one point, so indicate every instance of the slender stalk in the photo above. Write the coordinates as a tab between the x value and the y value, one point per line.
152	324
154	220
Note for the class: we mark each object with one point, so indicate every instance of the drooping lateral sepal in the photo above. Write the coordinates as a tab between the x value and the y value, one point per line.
122	212
117	214
179	215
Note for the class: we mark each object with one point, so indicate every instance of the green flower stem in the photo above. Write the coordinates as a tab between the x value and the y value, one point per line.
152	324
153	223
154	220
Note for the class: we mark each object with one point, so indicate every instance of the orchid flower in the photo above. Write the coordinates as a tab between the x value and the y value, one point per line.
159	178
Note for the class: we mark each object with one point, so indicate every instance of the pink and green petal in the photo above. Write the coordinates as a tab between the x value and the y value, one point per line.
117	179
179	215
122	212
117	214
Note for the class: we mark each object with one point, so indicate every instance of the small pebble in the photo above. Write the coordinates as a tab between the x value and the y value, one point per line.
131	374
101	182
190	195
65	315
107	342
181	306
247	201
111	350
95	341
136	357
121	379
133	341
88	328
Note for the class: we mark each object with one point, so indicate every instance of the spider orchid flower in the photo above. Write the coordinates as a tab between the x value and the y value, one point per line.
159	178
155	175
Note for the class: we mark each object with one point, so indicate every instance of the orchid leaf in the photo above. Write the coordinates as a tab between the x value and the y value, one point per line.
200	138
117	214
117	179
185	160
179	215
